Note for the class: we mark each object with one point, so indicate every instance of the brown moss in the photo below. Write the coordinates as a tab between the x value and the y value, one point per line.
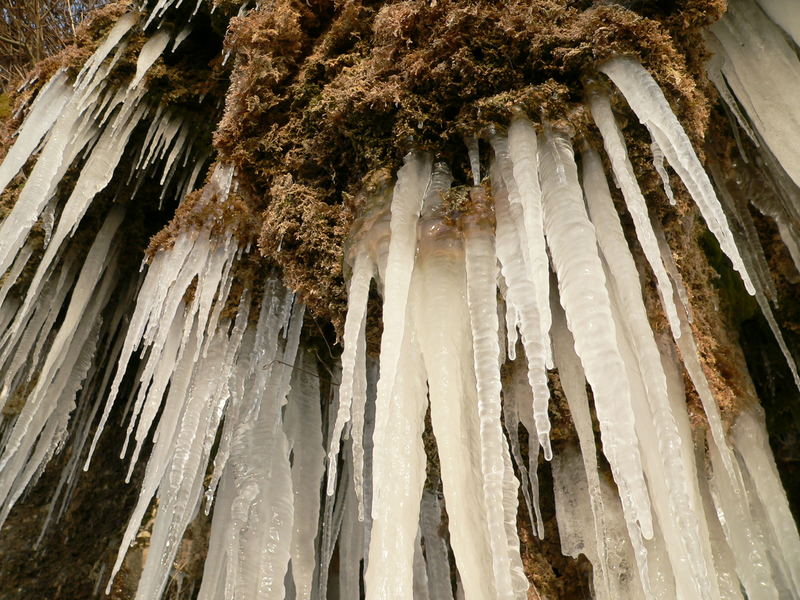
325	93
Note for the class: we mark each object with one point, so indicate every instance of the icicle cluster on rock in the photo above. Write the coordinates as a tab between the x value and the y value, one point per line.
653	537
73	304
534	273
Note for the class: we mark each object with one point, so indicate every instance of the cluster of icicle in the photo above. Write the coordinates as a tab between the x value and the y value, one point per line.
756	68
682	522
535	275
59	326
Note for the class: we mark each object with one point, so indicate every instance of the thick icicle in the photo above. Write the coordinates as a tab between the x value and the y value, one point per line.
573	518
648	102
399	456
573	381
763	71
676	561
351	542
420	572
303	424
783	14
442	324
412	181
752	563
573	245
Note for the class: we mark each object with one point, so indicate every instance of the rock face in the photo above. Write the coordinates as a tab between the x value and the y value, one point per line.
328	276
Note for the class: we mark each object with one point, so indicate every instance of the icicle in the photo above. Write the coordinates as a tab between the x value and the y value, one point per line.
675	552
658	164
522	149
351	543
358	428
182	35
572	516
95	176
752	564
519	580
729	585
573	246
333	514
152	49
672	269
751	442
353	355
398	476
518	393
420	573
114	37
754	257
412	181
41	426
303	424
482	305
523	204
572	502
521	295
665	454
511	322
75	324
366	455
439	311
781	13
43	113
648	102
66	139
474	159
435	548
763	71
573	382
626	179
511	420
690	356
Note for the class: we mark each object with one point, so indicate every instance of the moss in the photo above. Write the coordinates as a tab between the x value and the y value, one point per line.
325	93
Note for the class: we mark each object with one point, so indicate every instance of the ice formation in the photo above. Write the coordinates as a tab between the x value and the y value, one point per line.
224	399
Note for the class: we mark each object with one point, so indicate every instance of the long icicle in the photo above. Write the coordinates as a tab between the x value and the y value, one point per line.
481	264
412	181
614	144
573	245
648	102
625	282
